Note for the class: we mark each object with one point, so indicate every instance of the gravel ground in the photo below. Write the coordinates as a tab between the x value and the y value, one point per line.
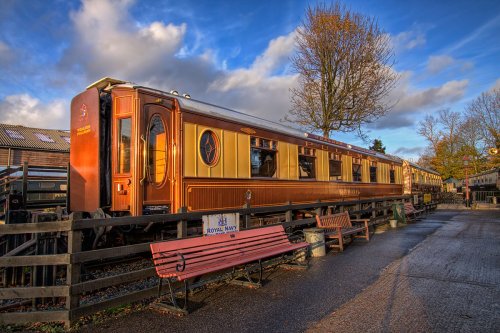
440	274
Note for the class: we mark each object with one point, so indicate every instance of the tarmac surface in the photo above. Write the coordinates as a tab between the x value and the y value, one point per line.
440	274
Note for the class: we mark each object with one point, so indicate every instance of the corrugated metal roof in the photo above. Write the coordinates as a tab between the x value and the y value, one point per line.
15	136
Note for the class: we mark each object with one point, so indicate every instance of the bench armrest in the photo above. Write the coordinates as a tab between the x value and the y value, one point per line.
178	267
361	221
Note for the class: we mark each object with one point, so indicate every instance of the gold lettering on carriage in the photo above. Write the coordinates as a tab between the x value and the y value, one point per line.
83	130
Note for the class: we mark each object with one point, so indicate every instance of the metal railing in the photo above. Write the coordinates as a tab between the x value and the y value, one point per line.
39	186
486	196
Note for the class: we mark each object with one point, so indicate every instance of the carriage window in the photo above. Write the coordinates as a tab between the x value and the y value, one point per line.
157	150
209	148
392	176
373	172
124	137
307	163
356	169
263	157
335	166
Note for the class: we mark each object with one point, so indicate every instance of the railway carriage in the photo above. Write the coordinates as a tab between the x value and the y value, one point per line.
137	150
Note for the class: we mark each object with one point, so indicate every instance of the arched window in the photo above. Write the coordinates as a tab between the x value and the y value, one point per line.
157	150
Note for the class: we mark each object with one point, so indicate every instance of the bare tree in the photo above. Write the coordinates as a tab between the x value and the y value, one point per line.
453	136
344	64
485	112
428	128
451	123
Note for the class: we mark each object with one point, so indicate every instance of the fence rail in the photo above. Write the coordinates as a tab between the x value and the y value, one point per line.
75	258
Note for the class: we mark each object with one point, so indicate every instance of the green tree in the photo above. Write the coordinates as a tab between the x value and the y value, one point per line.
344	64
377	146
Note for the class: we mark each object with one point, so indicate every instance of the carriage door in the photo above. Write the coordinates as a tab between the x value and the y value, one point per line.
157	159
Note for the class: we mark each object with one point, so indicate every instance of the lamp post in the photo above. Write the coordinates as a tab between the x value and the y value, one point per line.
466	166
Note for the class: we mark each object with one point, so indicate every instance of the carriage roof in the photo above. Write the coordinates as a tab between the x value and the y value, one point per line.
205	108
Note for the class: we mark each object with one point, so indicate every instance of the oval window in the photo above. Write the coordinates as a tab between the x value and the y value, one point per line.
209	148
157	150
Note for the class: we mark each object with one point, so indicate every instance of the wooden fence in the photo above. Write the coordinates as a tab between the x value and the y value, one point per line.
40	186
74	286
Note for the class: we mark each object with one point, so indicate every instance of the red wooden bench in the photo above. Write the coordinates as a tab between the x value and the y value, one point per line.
411	212
181	260
337	226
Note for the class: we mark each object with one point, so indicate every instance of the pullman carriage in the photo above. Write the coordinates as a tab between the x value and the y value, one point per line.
137	150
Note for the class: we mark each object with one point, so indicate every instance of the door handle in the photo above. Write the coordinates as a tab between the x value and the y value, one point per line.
144	159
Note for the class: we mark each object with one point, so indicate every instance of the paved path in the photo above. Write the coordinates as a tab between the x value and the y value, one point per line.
440	274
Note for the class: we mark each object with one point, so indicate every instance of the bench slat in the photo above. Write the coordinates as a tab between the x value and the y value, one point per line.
224	264
218	254
216	246
208	240
201	255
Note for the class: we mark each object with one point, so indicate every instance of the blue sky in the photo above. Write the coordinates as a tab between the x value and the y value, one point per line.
236	54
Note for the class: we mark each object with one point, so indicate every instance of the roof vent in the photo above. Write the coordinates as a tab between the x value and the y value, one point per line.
174	92
186	96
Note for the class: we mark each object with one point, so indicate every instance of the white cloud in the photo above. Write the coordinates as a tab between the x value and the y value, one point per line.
28	111
274	56
408	151
475	35
411	101
438	63
408	40
110	43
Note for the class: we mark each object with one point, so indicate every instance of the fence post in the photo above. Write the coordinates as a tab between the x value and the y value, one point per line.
319	209
73	272
25	184
289	213
182	224
358	208
68	169
246	218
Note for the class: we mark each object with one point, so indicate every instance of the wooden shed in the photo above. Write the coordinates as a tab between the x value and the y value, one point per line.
41	147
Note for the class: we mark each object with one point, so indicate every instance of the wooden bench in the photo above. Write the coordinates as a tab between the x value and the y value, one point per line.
183	259
411	211
337	226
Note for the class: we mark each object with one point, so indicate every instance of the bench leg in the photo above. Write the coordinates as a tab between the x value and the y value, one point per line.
172	305
298	261
246	280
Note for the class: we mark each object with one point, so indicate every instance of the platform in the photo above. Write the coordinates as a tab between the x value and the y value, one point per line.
439	274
